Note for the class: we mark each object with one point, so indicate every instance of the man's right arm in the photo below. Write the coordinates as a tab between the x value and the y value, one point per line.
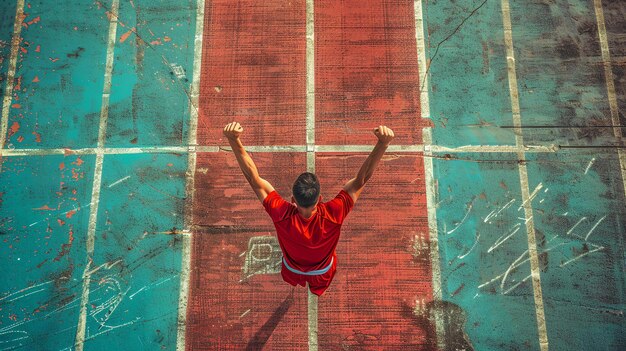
355	185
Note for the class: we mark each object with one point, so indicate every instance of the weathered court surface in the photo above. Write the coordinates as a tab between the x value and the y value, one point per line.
494	222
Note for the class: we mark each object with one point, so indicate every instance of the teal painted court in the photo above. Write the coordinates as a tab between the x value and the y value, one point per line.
111	168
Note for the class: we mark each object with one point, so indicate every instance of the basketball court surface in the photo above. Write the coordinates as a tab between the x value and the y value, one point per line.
495	220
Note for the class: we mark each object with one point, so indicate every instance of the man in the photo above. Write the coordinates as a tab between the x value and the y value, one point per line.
307	229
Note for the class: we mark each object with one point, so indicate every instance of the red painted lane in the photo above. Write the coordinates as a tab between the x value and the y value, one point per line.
234	304
253	71
366	71
383	259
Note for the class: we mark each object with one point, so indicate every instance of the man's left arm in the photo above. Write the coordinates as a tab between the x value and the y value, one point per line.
261	187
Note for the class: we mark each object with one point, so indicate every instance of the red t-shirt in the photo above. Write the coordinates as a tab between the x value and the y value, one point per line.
308	244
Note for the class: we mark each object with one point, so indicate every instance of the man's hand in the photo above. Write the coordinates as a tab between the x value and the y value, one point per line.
384	134
233	130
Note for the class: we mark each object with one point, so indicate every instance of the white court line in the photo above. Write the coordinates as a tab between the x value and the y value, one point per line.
97	179
367	148
310	85
495	148
310	146
523	172
93	151
8	90
610	86
428	148
118	181
431	185
312	319
183	296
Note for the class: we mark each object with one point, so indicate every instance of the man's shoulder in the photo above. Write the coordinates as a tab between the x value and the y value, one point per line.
341	197
325	211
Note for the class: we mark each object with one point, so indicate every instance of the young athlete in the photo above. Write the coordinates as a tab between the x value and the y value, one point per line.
308	230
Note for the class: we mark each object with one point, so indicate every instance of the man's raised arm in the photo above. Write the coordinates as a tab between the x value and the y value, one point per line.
355	185
261	187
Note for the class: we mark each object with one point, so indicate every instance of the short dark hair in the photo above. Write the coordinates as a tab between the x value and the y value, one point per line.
306	189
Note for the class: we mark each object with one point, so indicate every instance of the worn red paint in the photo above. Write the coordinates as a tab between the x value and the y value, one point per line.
377	250
65	248
458	290
225	226
37	137
42	263
44	208
33	21
70	213
76	174
256	53
42	307
38	48
78	161
126	35
254	72
366	71
36	79
15	127
61	166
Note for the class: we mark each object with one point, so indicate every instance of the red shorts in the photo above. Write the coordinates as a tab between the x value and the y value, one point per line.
317	283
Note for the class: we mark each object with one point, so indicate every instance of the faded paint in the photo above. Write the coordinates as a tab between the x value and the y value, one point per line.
256	54
380	275
366	71
42	290
560	84
223	274
255	71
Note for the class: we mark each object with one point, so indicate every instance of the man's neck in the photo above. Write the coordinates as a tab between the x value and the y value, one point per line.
306	214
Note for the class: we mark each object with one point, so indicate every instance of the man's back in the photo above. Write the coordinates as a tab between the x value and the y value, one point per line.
308	244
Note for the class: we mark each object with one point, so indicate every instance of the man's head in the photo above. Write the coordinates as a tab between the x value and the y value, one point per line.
306	190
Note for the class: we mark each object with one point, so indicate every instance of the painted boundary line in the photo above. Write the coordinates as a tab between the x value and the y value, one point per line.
97	179
8	90
426	148
310	85
523	173
183	296
312	319
431	185
310	148
610	85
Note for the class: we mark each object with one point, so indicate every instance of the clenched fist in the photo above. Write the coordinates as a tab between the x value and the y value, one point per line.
384	134
233	130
